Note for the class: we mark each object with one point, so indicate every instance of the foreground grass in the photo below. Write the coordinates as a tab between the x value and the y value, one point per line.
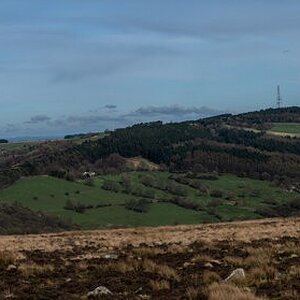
156	263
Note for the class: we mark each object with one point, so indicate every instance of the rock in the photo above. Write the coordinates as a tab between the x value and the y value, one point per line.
139	290
11	268
186	264
9	295
208	265
215	262
144	297
111	256
100	290
236	274
294	256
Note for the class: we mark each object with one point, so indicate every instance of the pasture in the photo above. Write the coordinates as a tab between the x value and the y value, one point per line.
169	199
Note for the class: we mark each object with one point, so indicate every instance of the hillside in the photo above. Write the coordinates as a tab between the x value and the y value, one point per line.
223	168
203	145
152	198
17	219
181	262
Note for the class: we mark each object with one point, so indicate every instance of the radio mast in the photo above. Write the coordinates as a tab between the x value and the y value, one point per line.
279	99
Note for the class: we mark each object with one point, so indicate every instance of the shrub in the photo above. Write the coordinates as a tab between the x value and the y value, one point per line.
89	181
126	182
295	203
147	180
214	203
69	205
77	206
140	205
176	189
216	193
111	185
186	203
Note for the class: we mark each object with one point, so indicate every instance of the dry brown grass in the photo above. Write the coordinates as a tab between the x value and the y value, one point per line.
295	272
7	258
259	275
185	234
32	269
234	261
259	256
224	291
124	266
163	270
148	251
7	294
158	285
82	266
210	277
146	265
193	293
290	295
289	248
177	249
201	258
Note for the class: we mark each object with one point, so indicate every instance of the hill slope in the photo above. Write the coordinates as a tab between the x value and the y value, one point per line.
183	262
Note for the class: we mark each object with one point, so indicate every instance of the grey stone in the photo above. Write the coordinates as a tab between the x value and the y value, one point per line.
236	274
100	290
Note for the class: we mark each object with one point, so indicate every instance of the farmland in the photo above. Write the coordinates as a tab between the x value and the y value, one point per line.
169	199
292	128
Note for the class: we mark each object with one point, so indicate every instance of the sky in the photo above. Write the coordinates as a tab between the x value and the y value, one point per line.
71	66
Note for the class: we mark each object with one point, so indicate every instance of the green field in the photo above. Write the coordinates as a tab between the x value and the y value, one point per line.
17	146
240	199
293	128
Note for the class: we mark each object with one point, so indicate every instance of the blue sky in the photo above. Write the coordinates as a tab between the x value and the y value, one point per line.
73	66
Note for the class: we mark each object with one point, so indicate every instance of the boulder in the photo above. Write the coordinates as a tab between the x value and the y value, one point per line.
11	268
100	290
236	274
208	265
111	256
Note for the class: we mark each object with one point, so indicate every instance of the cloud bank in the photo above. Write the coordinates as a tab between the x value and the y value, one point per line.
99	121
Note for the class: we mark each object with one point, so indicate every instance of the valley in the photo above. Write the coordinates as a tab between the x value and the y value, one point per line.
166	199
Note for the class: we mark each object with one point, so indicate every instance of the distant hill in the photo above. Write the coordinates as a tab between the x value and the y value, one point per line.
222	143
265	117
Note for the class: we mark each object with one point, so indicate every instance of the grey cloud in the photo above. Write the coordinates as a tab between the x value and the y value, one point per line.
212	20
88	120
9	128
163	113
110	106
38	119
100	121
175	110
